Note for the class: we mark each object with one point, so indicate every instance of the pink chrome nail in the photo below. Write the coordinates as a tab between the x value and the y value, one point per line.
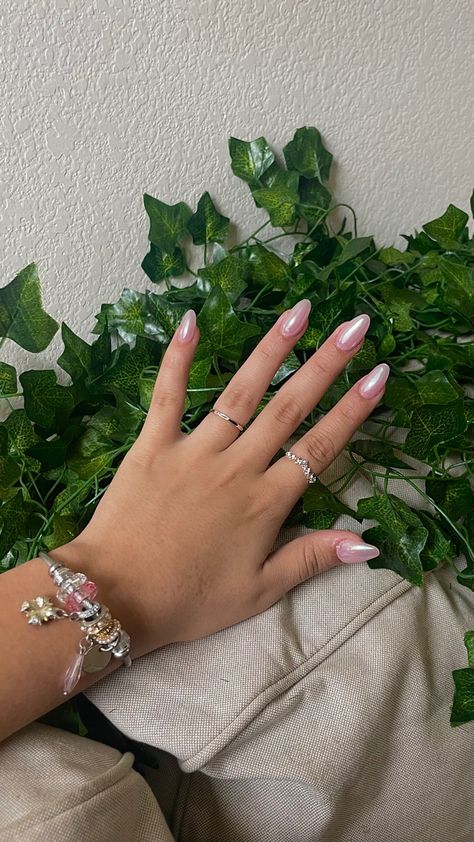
374	381
295	319
187	326
353	333
352	551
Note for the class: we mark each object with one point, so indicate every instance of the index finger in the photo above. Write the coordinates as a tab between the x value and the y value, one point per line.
241	397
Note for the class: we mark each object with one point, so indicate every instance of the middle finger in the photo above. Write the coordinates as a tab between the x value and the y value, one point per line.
298	397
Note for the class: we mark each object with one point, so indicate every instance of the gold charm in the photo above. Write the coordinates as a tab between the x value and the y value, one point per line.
40	610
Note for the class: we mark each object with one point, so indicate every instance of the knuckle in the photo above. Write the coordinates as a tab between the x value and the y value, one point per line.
348	411
288	411
266	349
311	563
163	398
172	360
319	365
320	448
237	396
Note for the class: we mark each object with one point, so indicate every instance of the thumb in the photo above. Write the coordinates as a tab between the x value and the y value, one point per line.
313	554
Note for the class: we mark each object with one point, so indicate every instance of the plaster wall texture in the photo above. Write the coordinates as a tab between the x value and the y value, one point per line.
102	101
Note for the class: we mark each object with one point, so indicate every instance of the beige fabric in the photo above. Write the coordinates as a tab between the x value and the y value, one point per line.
56	786
326	718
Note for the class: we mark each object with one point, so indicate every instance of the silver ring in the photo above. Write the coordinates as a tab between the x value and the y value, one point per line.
304	464
227	418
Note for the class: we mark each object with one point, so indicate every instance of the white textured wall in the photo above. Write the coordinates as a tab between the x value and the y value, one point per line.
102	101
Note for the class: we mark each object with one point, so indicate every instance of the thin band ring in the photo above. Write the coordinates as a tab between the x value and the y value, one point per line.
304	464
227	418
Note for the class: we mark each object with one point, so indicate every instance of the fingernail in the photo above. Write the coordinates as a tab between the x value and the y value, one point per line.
353	333
374	381
352	551
187	326
295	319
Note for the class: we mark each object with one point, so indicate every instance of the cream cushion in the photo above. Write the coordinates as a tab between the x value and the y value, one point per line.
324	719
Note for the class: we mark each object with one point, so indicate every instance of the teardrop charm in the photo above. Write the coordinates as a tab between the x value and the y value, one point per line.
73	673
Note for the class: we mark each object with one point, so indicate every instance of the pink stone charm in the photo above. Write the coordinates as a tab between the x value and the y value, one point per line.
73	673
72	600
89	589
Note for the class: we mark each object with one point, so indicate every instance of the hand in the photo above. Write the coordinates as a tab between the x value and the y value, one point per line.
180	543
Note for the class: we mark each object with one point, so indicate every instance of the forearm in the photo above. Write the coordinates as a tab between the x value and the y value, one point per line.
34	659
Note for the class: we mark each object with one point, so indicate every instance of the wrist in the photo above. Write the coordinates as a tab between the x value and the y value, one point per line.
114	590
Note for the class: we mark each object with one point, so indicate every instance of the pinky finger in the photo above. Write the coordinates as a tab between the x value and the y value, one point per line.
167	403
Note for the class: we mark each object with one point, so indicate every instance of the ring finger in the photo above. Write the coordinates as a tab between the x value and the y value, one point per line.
320	445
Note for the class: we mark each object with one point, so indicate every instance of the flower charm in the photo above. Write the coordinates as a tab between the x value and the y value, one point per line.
39	610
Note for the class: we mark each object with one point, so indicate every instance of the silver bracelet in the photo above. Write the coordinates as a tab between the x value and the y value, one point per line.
104	636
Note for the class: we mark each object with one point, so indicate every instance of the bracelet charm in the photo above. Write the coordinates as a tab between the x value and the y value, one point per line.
104	636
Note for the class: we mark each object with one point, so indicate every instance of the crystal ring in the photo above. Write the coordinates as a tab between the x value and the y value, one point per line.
227	418
304	465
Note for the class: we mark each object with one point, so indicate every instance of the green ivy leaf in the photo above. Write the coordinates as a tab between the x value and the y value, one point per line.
394	257
288	366
163	316
318	498
280	199
400	537
307	154
265	267
45	400
447	229
76	358
353	248
377	453
315	199
326	315
320	519
159	265
21	434
146	384
17	519
463	702
9	471
399	303
227	274
64	529
458	291
222	333
168	223
469	644
250	159
438	548
207	225
364	360
430	388
126	368
8	384
22	317
199	380
101	352
91	454
454	496
128	316
431	425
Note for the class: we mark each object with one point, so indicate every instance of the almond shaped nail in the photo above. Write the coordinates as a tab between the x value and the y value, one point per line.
353	333
187	326
295	319
374	381
350	552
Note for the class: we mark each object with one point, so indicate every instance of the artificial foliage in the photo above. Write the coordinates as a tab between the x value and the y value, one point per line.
60	445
